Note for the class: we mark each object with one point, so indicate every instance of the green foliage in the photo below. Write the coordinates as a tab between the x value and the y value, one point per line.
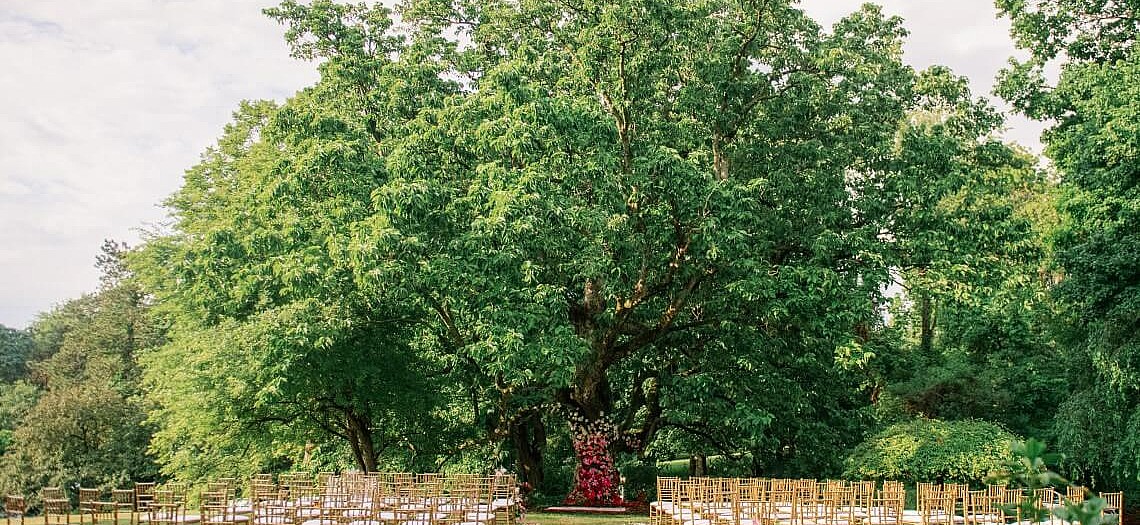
1093	144
16	399
15	348
927	450
1029	468
1080	31
81	420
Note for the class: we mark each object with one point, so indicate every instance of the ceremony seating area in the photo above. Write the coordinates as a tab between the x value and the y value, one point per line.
756	501
297	499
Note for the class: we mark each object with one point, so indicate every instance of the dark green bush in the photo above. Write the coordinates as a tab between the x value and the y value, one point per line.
930	450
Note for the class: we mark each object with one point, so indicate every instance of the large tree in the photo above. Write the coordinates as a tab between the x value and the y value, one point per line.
643	215
628	196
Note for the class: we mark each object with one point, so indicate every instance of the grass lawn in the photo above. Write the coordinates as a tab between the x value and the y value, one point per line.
552	518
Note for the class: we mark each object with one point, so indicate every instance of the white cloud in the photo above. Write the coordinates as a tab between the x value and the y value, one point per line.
107	102
965	35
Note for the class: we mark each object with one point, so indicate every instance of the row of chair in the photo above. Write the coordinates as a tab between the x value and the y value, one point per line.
755	501
295	499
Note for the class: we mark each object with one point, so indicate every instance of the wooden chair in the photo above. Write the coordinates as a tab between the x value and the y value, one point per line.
57	507
144	496
93	508
215	508
754	502
475	507
165	511
14	507
981	509
273	511
1113	505
887	508
123	502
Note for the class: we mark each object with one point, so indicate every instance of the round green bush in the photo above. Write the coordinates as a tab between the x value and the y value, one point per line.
929	450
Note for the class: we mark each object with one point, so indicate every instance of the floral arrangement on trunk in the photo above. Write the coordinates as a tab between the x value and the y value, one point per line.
597	482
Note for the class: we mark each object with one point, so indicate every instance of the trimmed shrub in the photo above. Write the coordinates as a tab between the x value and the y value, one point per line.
930	450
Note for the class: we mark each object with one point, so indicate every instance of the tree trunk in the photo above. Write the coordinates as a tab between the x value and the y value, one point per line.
528	435
698	465
926	322
359	431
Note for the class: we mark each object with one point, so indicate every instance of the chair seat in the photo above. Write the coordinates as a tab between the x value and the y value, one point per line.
320	521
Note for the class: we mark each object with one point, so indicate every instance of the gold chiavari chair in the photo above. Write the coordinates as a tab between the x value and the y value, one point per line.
980	508
887	508
723	500
57	507
272	511
124	505
666	490
506	498
893	486
215	507
144	495
1075	493
864	496
689	511
837	508
476	504
1008	505
168	508
1113	505
93	508
784	504
753	504
14	508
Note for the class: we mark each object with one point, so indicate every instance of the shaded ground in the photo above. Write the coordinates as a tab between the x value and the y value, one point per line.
551	518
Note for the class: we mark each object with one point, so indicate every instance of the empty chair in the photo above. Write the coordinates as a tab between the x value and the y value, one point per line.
666	488
14	507
980	508
215	508
1075	493
887	507
123	502
57	508
165	511
272	511
1113	505
144	495
92	508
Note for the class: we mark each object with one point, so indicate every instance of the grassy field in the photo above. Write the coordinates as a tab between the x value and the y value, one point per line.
551	518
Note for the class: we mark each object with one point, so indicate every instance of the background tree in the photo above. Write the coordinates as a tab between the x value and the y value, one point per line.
1093	145
80	412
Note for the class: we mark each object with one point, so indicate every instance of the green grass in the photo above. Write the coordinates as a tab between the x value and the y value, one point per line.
552	518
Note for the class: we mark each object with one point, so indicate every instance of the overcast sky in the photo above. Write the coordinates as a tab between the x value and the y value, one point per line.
104	104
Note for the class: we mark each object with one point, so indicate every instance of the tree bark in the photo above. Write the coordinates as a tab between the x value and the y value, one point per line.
926	323
698	465
528	434
359	431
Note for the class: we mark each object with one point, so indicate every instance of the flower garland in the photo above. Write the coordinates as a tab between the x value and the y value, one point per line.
597	480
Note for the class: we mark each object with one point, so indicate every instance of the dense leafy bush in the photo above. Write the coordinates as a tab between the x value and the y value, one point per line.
930	450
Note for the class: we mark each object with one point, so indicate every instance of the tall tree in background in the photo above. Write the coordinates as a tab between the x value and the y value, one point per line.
586	207
85	425
1095	146
968	247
